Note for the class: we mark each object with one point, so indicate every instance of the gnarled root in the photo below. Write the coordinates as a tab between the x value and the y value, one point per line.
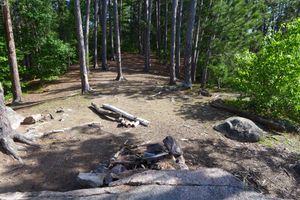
11	148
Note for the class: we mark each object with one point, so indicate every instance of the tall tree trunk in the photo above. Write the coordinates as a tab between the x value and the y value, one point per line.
205	67
166	30
178	40
96	9
104	40
148	31
189	45
139	27
86	32
12	57
158	31
120	18
111	32
212	37
196	49
118	42
85	87
173	37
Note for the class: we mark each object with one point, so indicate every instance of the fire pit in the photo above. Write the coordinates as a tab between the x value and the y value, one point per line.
135	158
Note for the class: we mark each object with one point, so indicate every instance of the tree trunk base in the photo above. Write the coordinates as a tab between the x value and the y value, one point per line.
121	78
104	68
10	146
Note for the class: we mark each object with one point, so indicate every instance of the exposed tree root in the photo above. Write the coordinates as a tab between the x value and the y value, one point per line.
7	134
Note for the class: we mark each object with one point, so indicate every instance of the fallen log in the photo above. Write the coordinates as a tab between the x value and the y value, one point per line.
125	114
269	124
106	114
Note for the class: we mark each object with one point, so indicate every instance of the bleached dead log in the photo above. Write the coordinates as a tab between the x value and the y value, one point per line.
125	114
107	114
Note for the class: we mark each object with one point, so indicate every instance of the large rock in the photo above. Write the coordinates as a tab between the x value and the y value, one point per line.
14	118
240	129
204	184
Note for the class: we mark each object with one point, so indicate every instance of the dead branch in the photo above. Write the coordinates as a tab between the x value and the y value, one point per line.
125	114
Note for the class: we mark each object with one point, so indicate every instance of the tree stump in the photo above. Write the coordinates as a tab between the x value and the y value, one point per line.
7	133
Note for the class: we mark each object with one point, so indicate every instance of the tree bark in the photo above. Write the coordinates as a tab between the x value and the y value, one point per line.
111	33
196	50
139	27
85	87
158	31
166	30
12	57
205	67
7	133
96	9
104	39
208	52
178	40
189	44
86	32
118	42
148	32
173	36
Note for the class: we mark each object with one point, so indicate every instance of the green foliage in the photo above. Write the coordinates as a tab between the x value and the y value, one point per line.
271	78
5	78
4	69
52	59
41	32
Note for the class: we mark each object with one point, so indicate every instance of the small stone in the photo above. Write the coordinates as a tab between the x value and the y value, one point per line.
118	169
91	179
32	119
205	93
172	146
102	167
60	110
108	179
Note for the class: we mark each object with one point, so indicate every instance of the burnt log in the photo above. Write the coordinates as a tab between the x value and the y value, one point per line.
8	134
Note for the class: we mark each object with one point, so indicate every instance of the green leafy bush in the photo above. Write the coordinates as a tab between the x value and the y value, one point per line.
271	78
53	58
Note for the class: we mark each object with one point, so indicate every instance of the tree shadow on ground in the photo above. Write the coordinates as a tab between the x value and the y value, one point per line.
202	112
55	166
266	169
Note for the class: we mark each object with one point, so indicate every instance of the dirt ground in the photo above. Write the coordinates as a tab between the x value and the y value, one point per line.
183	114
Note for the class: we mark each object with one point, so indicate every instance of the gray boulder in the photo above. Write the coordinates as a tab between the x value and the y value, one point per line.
14	118
203	184
240	129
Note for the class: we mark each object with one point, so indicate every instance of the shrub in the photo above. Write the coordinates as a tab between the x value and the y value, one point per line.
271	78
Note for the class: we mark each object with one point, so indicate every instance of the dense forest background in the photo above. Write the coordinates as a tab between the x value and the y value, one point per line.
249	46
